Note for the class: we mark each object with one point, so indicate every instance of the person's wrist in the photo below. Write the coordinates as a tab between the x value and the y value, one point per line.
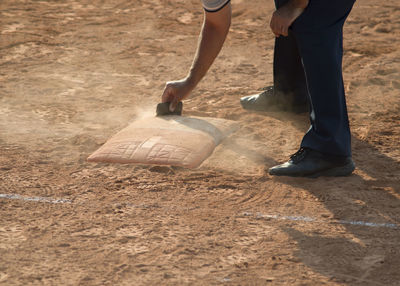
191	82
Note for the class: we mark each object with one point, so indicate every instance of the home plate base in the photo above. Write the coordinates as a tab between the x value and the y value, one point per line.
166	140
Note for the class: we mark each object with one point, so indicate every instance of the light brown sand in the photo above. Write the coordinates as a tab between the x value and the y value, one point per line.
73	73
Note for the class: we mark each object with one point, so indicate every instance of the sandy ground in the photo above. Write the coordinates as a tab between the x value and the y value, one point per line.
73	73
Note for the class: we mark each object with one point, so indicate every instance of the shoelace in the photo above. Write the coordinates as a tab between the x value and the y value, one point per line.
299	155
272	98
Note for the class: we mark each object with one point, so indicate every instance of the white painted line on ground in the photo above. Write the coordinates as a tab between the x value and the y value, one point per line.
371	224
34	199
256	215
310	219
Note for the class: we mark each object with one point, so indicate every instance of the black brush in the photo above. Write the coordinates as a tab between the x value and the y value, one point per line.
163	109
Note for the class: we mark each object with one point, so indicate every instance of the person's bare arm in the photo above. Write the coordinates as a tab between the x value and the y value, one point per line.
212	37
285	16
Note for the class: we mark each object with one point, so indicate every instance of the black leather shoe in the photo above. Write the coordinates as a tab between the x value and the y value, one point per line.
311	163
269	101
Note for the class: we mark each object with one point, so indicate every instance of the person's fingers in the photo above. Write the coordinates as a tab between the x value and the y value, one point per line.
174	92
276	32
284	31
167	94
274	26
173	104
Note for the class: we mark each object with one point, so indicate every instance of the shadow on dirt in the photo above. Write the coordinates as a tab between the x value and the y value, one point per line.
363	255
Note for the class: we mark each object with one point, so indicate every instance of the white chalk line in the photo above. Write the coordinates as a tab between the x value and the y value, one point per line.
256	215
311	219
34	199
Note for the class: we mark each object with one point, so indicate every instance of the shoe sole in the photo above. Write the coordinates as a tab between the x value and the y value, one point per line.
342	171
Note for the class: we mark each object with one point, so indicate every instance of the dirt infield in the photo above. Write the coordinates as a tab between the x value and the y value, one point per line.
73	73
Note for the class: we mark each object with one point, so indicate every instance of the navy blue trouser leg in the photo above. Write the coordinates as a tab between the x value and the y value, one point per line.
329	131
289	79
319	35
